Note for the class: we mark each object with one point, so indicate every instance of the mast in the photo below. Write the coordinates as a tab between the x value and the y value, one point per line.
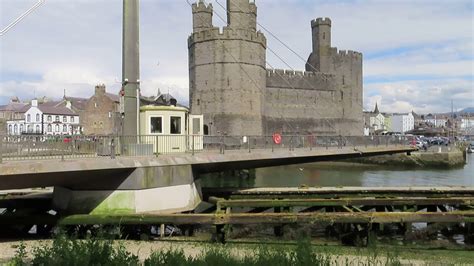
130	67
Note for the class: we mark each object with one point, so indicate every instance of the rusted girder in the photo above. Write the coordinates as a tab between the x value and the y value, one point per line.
248	218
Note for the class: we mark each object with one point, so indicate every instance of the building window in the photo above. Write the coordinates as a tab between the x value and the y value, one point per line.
10	129
37	117
56	128
30	129
56	118
64	119
50	128
324	35
38	129
64	128
156	125
15	129
21	128
50	119
28	118
175	125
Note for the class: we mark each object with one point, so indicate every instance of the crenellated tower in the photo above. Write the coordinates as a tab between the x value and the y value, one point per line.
241	14
227	74
346	66
319	58
202	16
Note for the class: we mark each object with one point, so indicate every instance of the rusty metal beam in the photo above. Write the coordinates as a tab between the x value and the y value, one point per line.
247	218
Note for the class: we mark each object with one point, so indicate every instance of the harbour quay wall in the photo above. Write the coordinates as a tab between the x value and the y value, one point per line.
431	159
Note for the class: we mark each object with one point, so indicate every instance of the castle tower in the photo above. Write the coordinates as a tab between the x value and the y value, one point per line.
241	14
319	58
227	74
202	16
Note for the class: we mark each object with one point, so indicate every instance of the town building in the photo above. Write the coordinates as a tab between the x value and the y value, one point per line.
374	122
14	110
436	120
231	86
402	123
101	114
46	119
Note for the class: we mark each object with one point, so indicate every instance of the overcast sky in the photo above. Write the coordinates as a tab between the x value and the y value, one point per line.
418	54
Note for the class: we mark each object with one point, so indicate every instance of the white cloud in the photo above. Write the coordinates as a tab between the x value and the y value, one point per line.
75	44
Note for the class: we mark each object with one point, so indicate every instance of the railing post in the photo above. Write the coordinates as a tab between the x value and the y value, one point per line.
112	148
248	143
1	149
156	145
192	136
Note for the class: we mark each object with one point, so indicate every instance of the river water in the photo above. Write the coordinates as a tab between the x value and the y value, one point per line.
348	174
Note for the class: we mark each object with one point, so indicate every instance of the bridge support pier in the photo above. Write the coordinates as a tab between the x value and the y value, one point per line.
167	189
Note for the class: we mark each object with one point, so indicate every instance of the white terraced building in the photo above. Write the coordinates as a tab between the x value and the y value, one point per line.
46	119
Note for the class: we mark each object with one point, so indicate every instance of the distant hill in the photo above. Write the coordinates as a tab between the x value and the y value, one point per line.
467	110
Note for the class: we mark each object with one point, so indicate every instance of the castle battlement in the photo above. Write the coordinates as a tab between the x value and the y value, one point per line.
227	33
320	21
347	53
285	73
201	6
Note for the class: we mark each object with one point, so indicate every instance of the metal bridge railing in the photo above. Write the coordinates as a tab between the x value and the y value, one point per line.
61	147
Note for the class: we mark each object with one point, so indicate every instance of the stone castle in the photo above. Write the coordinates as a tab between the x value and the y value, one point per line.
230	85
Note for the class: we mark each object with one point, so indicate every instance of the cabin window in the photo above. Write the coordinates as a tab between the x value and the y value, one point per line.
175	125
156	125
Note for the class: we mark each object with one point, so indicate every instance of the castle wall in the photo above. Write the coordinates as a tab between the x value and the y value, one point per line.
304	103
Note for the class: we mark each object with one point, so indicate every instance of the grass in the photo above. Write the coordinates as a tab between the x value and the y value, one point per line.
100	251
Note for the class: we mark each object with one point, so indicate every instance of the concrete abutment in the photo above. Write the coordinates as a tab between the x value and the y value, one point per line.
164	189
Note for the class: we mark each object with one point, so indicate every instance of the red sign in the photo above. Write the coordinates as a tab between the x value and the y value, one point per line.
277	138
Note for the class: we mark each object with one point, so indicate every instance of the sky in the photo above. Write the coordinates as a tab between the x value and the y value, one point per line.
418	54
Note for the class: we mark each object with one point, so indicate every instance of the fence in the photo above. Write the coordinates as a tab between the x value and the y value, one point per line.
51	147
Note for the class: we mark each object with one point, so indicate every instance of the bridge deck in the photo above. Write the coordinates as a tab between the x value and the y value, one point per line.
51	172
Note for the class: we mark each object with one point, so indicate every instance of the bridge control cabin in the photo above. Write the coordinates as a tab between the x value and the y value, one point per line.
170	128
